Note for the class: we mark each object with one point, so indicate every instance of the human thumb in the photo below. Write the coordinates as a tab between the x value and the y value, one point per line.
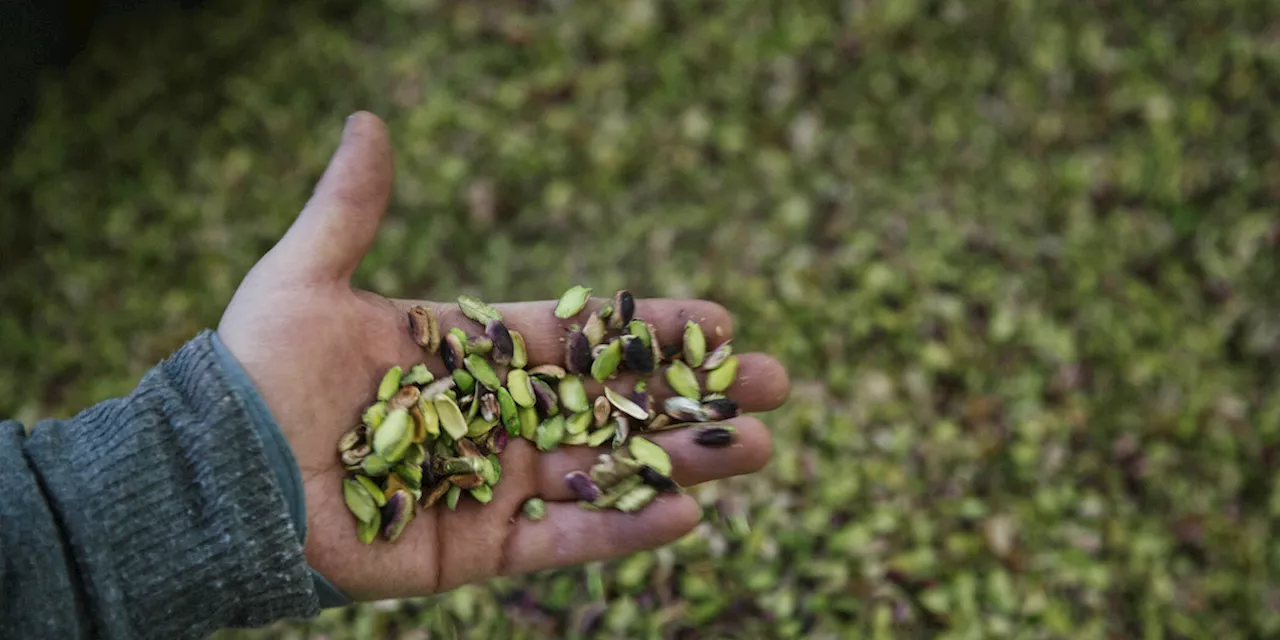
338	224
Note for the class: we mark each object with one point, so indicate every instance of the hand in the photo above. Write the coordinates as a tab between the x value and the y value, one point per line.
316	349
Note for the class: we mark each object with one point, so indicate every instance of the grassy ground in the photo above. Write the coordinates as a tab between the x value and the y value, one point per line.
1020	257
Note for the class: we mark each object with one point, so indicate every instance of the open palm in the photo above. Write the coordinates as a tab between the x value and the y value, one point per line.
315	348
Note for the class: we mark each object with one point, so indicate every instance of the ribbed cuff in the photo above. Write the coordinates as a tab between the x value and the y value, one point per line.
283	464
172	510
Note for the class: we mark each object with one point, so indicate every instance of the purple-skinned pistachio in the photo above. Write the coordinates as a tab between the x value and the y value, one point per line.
582	486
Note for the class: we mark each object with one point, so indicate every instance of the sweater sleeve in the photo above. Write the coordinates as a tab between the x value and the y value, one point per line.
156	515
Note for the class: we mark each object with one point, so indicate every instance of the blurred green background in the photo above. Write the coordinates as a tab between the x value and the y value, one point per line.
1020	258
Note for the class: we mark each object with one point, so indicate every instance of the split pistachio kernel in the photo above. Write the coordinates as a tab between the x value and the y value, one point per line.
646	452
519	353
723	376
451	418
573	395
682	380
374	415
478	310
607	362
390	383
695	344
358	500
520	387
418	375
367	531
572	301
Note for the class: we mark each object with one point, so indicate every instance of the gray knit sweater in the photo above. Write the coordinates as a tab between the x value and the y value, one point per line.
169	513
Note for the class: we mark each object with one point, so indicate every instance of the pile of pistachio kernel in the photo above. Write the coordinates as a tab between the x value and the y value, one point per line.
425	439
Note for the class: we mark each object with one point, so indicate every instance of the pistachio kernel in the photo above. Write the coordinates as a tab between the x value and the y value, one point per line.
548	371
607	362
695	344
451	418
416	455
647	452
519	352
659	422
528	423
418	375
597	350
611	470
479	427
493	471
714	437
425	328
594	329
375	465
624	306
432	496
397	514
577	353
600	436
625	405
573	395
548	403
682	409
520	387
621	429
534	509
655	345
600	411
437	388
658	481
353	457
483	373
394	436
574	439
722	409
374	415
404	398
390	382
582	486
478	346
410	475
682	380
637	356
490	408
372	487
353	438
615	492
463	381
578	423
723	376
640	329
452	352
483	493
451	498
367	531
718	356
636	499
550	433
509	411
572	301
503	343
358	499
477	309
498	440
